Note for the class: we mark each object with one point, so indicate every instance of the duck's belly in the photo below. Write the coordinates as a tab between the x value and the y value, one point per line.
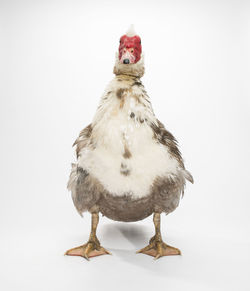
124	208
88	193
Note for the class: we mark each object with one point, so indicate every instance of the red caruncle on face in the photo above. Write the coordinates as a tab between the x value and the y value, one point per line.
130	49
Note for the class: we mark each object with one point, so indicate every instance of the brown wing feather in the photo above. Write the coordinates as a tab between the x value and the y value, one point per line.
167	139
83	139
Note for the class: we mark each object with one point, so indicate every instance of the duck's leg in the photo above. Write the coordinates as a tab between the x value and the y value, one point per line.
92	248
157	248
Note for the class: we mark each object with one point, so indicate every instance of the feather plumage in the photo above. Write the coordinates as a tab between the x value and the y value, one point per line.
126	155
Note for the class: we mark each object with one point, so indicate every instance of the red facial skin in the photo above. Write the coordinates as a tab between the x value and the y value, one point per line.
130	47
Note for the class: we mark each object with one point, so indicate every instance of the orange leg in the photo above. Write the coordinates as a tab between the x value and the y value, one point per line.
92	248
157	248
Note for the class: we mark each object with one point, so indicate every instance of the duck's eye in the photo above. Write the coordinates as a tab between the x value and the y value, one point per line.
132	50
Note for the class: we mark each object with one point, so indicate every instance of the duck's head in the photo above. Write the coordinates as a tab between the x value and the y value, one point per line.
130	47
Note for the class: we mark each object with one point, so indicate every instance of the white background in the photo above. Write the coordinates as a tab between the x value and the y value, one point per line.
56	59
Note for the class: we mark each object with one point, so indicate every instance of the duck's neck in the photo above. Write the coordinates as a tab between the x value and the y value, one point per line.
127	77
129	70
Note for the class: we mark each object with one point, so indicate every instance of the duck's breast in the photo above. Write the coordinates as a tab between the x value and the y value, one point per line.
125	157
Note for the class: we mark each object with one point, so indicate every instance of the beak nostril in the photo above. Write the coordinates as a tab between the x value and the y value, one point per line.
126	61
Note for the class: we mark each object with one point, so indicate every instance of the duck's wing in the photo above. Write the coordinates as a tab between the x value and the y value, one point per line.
83	139
166	138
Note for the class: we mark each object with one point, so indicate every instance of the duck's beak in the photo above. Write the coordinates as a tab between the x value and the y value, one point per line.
127	58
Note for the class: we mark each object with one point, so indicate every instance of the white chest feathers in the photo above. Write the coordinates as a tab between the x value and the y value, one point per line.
125	157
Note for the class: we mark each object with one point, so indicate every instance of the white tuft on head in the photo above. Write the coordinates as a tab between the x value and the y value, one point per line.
131	31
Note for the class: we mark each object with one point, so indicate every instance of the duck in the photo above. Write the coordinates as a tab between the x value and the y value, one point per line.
128	165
